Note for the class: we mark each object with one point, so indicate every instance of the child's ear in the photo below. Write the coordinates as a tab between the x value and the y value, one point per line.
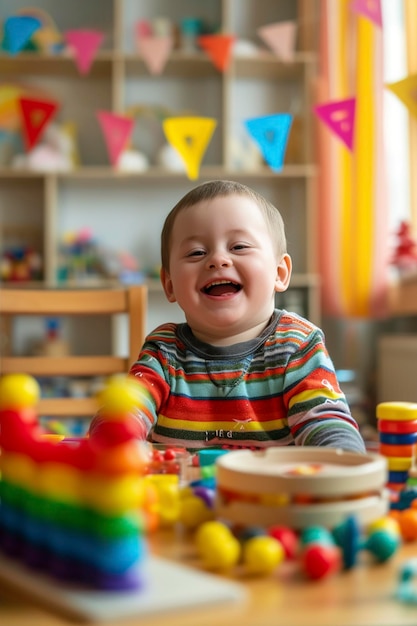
284	269
167	285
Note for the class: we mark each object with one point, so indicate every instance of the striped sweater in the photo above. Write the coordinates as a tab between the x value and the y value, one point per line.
275	390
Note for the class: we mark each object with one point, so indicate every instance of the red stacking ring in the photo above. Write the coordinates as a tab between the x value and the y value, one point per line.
388	426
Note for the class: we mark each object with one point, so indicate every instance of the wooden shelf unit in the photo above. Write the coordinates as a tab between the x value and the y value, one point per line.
54	203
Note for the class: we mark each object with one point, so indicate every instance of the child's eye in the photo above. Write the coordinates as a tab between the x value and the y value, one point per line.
239	246
196	253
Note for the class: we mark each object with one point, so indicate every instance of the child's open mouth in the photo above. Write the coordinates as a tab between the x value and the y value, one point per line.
221	288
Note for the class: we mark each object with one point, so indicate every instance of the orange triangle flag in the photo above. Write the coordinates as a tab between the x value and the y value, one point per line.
116	130
35	116
219	48
406	91
155	52
190	136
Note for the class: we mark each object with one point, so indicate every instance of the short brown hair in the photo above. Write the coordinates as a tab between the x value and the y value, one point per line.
213	189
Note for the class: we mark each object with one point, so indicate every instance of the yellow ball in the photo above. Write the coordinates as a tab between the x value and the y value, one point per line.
210	533
18	391
120	396
194	512
261	555
221	554
388	524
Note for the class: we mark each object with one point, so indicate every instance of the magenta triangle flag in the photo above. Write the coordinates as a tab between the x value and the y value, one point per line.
85	45
116	130
271	134
155	52
280	37
340	118
368	8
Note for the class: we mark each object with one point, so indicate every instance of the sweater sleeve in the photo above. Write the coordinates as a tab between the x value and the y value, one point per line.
318	413
149	371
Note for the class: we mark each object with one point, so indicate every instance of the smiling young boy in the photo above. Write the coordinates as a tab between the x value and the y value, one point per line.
238	373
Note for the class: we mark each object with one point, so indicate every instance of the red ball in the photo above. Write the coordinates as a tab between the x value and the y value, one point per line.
170	455
109	433
319	561
157	456
287	538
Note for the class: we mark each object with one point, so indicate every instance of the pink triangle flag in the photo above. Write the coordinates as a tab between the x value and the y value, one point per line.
280	37
155	52
368	8
340	118
85	44
116	130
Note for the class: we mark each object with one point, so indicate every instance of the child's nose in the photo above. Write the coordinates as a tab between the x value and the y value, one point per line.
219	259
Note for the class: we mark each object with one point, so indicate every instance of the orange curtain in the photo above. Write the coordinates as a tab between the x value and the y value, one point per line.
352	196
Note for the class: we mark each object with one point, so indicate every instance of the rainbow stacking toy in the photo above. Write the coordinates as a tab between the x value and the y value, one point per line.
71	507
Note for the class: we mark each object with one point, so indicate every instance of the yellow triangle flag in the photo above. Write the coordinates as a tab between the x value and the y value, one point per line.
406	91
190	136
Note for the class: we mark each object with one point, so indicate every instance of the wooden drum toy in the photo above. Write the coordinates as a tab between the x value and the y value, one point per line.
300	487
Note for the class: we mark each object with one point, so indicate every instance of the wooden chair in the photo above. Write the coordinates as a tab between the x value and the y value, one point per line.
16	302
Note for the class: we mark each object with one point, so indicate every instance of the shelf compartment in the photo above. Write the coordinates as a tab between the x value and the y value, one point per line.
179	64
266	65
37	64
206	172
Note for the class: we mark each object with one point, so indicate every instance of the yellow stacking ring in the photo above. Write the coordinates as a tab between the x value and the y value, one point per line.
397	411
399	463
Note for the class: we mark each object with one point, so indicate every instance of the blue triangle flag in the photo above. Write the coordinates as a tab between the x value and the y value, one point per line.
271	133
18	30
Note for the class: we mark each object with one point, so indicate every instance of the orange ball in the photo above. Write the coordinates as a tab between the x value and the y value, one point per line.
408	524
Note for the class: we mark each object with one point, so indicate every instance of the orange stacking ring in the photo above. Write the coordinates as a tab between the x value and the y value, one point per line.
397	450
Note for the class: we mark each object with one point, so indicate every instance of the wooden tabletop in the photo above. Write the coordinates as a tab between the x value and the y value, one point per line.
363	596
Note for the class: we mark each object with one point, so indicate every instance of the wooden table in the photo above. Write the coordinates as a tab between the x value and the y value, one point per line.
360	597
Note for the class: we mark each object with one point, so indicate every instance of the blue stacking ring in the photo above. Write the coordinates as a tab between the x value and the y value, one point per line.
398	440
397	477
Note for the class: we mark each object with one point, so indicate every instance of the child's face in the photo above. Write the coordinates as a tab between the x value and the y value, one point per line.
224	270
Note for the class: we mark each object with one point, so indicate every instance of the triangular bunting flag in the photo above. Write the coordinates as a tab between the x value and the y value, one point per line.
116	130
18	30
340	118
406	91
155	52
9	106
190	136
271	134
219	48
35	116
280	37
368	8
85	44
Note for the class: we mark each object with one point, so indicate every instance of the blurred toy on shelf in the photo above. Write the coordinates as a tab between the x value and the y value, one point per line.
52	344
404	257
57	151
31	29
83	260
20	263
